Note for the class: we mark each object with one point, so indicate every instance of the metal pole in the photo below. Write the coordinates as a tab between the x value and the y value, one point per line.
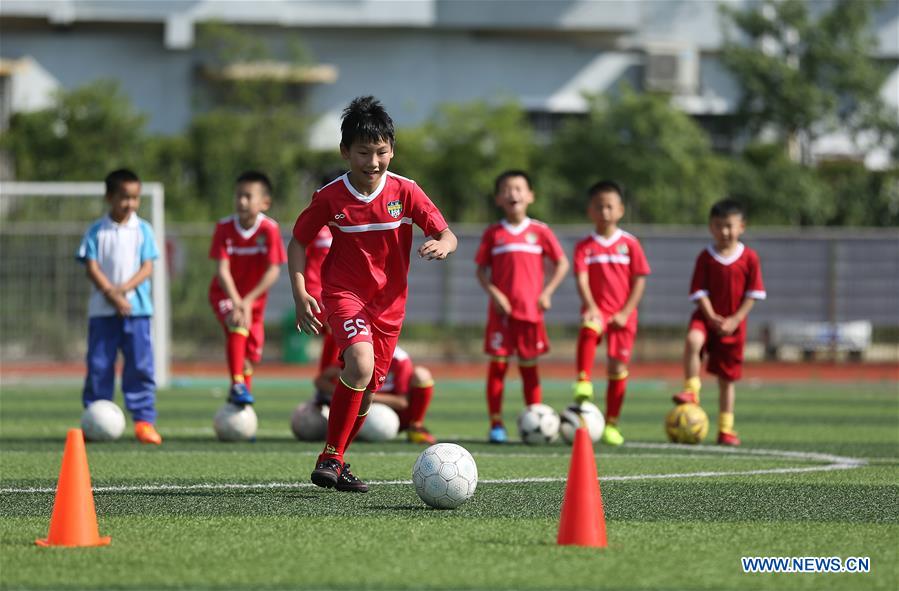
162	318
832	256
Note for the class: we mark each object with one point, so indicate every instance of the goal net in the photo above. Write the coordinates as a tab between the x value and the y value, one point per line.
44	290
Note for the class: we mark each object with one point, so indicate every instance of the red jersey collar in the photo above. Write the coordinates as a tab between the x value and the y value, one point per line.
516	230
726	260
607	242
360	196
246	233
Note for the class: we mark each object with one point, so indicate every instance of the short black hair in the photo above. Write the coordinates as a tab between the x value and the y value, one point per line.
727	207
508	174
254	176
606	186
366	120
117	178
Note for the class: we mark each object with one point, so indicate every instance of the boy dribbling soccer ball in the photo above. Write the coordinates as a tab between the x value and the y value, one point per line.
364	276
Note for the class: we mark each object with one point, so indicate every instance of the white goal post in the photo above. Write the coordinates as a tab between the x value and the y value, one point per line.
36	232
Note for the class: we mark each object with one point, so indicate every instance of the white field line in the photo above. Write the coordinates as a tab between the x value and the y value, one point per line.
411	454
834	463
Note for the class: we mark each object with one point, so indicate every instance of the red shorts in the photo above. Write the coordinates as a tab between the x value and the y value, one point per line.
320	315
507	336
619	341
350	324
256	338
724	354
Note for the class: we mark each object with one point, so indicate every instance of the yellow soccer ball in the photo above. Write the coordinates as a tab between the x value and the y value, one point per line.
687	423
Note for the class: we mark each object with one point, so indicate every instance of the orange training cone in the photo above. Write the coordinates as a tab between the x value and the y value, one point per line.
583	521
74	520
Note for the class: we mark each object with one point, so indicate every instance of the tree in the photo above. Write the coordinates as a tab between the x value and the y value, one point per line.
85	134
803	75
861	197
778	191
661	156
457	155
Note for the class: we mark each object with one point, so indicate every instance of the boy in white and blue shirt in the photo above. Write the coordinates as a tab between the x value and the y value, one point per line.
118	251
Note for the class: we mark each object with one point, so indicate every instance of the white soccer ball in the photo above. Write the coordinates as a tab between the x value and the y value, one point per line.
445	475
235	423
309	421
591	416
381	424
538	423
102	420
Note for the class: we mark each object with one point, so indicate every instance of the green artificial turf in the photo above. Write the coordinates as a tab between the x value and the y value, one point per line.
199	514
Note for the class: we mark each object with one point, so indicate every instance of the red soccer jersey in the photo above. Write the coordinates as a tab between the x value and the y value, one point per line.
250	253
515	256
727	281
399	376
316	251
372	237
611	265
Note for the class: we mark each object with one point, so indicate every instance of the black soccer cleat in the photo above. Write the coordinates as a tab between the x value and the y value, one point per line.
347	481
327	473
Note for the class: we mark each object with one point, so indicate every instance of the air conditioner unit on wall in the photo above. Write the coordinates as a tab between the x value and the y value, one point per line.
671	68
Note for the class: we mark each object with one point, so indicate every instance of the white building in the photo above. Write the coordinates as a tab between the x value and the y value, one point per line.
412	54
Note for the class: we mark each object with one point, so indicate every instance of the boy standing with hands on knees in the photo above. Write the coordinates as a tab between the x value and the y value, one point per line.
248	251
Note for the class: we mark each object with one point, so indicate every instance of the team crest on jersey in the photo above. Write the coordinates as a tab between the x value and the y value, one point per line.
531	238
395	208
622	249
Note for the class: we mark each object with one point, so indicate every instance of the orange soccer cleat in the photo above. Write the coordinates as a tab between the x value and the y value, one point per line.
146	433
730	439
420	435
685	397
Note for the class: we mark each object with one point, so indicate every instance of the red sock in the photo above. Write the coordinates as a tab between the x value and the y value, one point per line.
237	353
357	424
587	339
419	400
496	373
530	383
345	404
615	396
330	353
248	379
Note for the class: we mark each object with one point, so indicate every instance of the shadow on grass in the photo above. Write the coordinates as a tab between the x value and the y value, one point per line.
217	494
391	508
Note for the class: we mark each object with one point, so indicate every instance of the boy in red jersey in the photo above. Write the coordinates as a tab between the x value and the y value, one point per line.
408	390
249	251
611	271
727	280
316	251
510	269
364	277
